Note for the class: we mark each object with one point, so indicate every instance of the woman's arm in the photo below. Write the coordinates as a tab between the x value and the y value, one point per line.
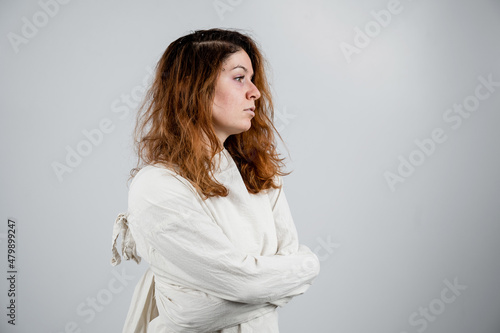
187	310
288	241
194	251
286	232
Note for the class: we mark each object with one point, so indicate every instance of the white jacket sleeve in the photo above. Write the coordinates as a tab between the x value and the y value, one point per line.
286	232
288	242
190	249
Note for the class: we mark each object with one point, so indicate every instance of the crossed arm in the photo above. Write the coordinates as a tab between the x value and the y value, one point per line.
200	273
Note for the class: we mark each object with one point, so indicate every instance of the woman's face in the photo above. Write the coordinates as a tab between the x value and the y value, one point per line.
235	95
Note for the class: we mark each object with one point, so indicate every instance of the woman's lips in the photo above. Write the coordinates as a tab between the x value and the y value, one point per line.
251	110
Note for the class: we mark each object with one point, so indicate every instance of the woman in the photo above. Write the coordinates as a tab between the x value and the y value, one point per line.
207	209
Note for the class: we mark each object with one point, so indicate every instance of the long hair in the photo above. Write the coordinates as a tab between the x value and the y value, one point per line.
175	119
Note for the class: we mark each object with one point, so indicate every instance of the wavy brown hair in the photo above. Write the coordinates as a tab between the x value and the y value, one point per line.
174	124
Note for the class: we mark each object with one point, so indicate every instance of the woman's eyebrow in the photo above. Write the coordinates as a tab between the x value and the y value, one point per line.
240	66
243	67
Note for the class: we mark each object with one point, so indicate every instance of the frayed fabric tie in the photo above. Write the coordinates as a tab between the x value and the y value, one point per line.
128	243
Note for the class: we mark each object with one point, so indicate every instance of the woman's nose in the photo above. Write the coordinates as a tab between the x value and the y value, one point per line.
253	92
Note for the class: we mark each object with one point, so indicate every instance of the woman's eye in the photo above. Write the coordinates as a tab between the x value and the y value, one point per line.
239	78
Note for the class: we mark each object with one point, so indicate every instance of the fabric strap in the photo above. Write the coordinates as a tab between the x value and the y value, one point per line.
142	308
128	243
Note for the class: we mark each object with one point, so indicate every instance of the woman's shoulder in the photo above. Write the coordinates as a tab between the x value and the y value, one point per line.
152	171
153	182
151	174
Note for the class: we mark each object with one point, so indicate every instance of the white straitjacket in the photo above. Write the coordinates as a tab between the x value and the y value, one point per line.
220	265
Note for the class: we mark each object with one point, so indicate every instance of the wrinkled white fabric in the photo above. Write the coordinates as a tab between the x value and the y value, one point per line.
219	265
